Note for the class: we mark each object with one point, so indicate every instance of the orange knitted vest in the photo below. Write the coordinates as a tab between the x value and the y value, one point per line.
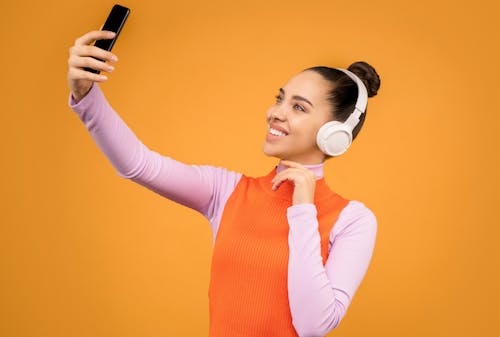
248	294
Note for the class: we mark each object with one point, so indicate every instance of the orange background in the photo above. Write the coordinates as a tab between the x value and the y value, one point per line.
84	252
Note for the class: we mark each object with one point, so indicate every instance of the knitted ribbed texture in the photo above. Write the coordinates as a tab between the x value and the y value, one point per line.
248	291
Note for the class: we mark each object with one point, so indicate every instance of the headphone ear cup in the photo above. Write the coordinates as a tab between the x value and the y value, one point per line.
334	138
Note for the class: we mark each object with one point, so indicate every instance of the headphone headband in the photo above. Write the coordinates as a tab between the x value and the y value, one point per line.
361	102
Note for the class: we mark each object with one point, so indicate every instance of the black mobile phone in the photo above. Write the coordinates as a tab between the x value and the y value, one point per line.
115	21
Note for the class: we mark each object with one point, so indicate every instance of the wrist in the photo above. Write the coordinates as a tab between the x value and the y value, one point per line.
79	95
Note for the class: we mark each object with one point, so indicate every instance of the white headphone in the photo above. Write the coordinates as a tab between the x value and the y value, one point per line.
335	137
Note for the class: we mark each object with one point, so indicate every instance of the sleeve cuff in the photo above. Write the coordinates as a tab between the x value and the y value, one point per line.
302	209
82	104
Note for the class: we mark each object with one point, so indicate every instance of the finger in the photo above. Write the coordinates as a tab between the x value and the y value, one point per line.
285	172
277	180
84	50
100	28
277	184
299	166
86	75
297	176
289	174
290	163
89	37
90	62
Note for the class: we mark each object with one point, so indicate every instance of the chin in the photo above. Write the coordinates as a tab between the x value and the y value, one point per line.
269	152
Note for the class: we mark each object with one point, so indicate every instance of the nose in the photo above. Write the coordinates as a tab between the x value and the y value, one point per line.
278	114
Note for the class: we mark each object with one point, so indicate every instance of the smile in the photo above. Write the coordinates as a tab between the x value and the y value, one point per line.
276	132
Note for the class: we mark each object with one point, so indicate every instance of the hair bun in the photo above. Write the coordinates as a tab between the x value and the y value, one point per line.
368	75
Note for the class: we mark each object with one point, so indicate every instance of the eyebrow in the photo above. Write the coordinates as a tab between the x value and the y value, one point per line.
300	98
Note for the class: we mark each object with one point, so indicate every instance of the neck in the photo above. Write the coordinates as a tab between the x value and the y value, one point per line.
316	168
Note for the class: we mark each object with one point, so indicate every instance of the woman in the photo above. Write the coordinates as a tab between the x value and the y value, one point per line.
289	253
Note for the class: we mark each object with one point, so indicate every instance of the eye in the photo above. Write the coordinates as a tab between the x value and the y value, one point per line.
300	107
278	98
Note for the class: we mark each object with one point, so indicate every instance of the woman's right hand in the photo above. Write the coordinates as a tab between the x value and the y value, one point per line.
80	56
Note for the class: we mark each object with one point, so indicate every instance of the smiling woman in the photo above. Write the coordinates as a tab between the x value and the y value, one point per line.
289	252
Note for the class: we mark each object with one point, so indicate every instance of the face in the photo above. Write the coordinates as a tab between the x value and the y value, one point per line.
301	108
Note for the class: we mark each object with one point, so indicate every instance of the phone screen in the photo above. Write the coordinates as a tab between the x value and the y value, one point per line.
115	21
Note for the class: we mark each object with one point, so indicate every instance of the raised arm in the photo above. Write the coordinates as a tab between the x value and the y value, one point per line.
320	295
200	187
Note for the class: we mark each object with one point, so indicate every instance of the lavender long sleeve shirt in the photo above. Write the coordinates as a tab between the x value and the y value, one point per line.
319	295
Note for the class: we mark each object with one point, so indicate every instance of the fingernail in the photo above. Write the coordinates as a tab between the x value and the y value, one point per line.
114	58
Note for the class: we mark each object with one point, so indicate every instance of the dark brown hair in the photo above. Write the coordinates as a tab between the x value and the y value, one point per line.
344	91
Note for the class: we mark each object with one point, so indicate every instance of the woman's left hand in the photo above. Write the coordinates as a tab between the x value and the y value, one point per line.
304	182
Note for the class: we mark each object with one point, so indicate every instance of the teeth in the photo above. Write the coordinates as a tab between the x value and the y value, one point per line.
276	132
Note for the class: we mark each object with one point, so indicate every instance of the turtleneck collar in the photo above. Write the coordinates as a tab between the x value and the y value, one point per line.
316	168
